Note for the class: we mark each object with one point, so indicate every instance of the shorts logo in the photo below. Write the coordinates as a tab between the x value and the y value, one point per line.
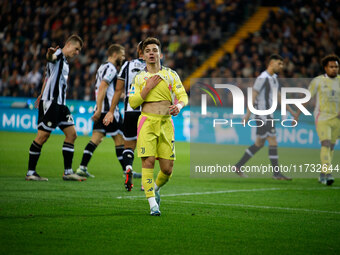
49	123
69	118
142	150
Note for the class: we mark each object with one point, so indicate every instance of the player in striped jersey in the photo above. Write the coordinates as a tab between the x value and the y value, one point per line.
53	111
125	77
326	88
263	97
105	91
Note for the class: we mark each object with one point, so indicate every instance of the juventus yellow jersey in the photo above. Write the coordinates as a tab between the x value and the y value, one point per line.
327	91
169	89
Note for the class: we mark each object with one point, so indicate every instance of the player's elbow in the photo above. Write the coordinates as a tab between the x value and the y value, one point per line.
135	101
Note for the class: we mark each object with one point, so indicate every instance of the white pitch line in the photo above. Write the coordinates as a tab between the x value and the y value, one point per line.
206	193
228	191
254	206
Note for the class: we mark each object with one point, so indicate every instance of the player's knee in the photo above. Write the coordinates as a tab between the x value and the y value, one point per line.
71	136
149	162
259	144
41	139
326	143
168	168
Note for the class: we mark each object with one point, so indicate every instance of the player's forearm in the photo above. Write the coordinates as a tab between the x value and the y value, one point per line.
43	86
101	95
115	99
136	100
183	99
144	93
50	57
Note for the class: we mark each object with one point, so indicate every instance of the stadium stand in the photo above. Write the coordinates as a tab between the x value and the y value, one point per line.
303	32
188	30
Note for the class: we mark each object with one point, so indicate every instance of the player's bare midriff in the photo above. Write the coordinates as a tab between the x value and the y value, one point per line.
161	107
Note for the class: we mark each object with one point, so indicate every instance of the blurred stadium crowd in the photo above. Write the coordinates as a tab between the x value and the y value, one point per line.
302	32
188	30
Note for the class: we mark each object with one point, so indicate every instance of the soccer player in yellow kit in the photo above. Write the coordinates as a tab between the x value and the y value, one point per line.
160	92
326	87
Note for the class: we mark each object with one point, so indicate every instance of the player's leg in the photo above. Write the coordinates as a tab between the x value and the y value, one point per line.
47	122
148	132
166	166
130	140
68	151
274	159
119	146
96	139
66	124
114	130
34	154
248	154
324	131
335	133
148	164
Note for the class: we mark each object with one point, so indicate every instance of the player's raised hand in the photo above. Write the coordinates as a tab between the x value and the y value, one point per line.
153	81
108	119
50	52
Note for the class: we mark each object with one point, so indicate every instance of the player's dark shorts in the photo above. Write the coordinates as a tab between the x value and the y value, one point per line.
268	128
112	129
52	115
130	125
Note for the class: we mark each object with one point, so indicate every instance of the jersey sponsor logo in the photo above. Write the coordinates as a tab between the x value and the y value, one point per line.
151	189
135	70
132	91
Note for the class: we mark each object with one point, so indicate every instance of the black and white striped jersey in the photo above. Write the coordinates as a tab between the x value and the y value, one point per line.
56	75
127	73
108	73
264	85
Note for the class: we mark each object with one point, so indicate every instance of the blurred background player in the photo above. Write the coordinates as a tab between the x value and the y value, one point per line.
105	90
155	89
262	95
53	111
326	87
125	77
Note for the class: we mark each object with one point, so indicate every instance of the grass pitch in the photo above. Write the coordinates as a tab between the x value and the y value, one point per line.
199	215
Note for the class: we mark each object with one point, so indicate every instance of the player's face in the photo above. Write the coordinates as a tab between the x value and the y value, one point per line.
73	49
278	66
152	54
332	68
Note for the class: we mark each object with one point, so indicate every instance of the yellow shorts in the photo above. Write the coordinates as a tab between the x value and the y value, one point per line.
329	129
155	136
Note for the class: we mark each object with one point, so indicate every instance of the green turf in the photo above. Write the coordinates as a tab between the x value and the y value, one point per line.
99	217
